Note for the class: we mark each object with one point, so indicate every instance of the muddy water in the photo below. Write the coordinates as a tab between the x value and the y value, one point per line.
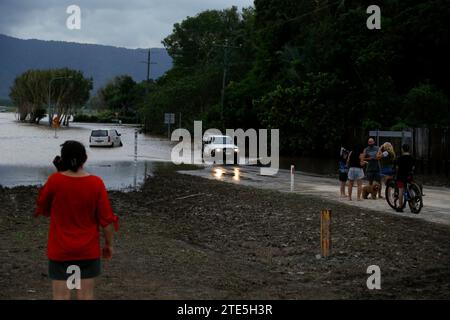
31	145
118	175
27	151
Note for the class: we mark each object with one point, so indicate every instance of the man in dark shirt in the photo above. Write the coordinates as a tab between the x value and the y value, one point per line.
405	169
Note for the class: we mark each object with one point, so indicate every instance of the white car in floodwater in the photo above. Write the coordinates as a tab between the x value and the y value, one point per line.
219	144
105	138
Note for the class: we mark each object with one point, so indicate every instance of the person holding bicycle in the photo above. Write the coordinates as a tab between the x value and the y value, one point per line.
386	156
405	169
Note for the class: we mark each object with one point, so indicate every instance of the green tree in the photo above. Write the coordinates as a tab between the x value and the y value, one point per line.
119	95
197	46
425	105
31	92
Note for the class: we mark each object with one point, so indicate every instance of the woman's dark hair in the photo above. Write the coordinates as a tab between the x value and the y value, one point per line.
405	147
358	149
73	155
354	156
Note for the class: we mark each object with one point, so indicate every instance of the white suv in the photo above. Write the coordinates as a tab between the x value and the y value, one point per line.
105	138
213	144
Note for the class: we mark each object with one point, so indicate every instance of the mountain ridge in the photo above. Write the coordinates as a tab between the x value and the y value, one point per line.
101	62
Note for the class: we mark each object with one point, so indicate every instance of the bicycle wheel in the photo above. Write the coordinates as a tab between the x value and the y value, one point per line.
391	194
415	201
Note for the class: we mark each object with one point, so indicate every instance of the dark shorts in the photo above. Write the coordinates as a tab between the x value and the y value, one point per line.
57	270
373	176
390	172
343	176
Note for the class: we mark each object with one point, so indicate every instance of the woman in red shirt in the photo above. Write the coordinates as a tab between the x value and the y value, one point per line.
78	205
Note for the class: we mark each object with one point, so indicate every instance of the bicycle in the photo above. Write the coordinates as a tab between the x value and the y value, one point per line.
411	194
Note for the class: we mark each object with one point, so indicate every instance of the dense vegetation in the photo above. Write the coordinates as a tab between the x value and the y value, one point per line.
118	100
310	68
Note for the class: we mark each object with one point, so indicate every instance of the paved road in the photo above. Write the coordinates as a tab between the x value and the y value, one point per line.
436	200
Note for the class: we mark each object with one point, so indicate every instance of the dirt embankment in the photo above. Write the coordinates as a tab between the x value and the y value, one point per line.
186	237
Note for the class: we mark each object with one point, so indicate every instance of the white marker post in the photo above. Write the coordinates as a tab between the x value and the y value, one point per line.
292	177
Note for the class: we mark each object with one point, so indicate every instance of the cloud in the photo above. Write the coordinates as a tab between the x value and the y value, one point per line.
122	23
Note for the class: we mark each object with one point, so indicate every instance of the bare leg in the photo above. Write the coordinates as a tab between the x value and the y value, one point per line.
86	291
400	198
343	189
350	189
359	183
60	290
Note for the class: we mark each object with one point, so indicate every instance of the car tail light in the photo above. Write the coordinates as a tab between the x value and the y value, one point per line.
109	139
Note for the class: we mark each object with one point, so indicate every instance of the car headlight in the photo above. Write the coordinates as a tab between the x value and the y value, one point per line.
236	149
218	149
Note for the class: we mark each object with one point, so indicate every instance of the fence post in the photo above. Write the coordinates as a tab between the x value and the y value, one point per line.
325	232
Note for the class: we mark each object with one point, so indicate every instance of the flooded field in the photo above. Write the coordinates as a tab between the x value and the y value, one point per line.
27	151
117	175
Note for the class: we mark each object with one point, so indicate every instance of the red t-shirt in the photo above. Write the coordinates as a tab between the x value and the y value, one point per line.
77	206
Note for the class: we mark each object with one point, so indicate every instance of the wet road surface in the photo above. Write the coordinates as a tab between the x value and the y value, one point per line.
436	200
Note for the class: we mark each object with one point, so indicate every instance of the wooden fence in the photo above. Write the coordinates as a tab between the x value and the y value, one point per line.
430	147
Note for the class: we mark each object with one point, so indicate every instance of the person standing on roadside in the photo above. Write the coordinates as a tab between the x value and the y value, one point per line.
386	156
355	162
373	165
78	207
343	170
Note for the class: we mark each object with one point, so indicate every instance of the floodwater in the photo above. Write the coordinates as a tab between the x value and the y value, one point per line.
27	151
117	175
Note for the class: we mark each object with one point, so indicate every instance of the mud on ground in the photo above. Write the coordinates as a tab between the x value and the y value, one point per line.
184	237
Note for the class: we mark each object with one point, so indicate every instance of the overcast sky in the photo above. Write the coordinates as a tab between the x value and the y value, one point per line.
122	23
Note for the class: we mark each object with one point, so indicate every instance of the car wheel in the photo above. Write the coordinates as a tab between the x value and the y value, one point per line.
121	144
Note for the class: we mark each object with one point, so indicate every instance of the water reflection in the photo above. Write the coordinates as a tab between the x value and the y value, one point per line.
218	173
237	174
120	175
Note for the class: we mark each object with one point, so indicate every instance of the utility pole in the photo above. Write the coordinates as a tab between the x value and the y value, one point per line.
148	63
224	78
226	51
